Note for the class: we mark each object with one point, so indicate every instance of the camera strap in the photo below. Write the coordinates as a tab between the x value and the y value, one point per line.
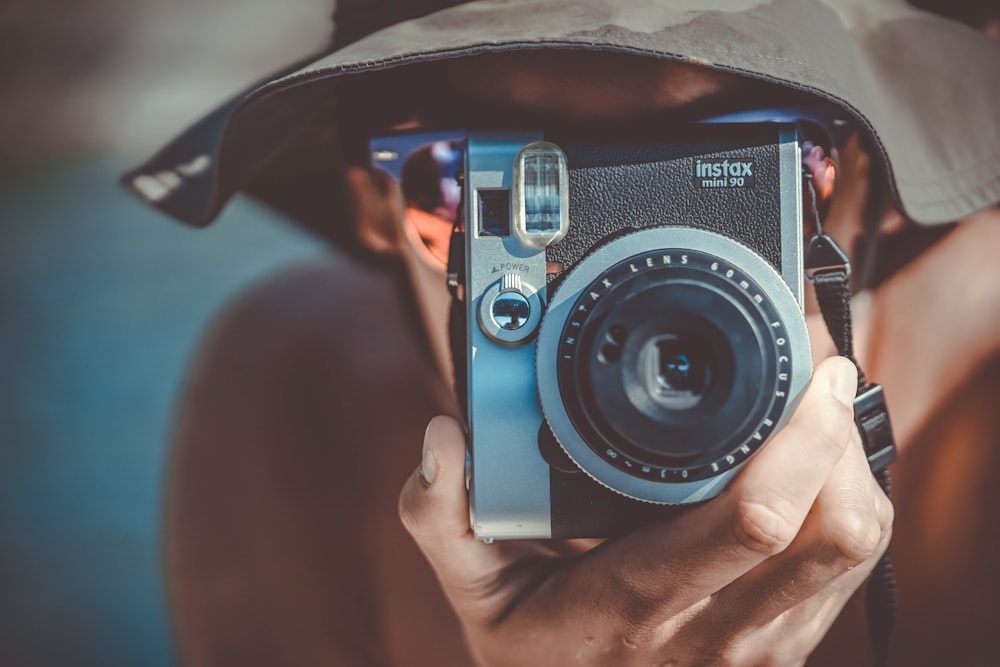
828	269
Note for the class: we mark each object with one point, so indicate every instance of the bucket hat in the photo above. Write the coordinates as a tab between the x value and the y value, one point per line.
925	89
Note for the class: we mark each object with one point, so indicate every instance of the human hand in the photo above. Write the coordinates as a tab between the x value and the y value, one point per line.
755	576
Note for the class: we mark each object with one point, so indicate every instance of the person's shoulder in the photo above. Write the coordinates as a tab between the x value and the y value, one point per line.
336	308
339	330
298	294
282	463
306	361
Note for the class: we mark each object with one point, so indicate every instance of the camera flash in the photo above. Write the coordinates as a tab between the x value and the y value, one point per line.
541	193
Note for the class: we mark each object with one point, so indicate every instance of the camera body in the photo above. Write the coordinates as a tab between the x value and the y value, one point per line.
672	343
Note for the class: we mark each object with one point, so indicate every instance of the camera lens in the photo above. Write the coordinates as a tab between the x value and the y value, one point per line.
674	366
675	371
668	356
677	368
673	390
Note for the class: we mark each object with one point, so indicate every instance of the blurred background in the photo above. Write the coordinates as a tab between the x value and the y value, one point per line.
102	300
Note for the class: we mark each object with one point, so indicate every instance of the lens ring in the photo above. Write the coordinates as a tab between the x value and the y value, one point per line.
565	319
629	406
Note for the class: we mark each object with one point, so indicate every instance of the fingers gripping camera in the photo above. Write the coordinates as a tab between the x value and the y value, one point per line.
663	356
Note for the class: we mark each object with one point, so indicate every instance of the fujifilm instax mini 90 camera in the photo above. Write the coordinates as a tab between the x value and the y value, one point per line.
662	351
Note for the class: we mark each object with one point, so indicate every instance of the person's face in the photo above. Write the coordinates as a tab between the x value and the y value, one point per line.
616	89
552	87
603	88
588	86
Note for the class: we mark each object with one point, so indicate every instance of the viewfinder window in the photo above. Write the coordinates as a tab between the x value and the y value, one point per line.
494	211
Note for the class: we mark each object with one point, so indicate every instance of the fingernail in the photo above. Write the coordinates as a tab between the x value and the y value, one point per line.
428	465
844	383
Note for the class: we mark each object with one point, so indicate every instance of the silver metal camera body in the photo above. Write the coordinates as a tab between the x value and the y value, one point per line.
673	343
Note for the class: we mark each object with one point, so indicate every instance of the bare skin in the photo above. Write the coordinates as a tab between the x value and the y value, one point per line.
757	575
312	422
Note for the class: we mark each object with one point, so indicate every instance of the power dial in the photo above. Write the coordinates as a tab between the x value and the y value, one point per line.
510	310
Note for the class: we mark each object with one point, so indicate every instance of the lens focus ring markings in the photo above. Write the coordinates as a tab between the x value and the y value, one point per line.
780	323
609	281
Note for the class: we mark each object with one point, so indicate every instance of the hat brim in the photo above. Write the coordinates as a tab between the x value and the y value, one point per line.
925	88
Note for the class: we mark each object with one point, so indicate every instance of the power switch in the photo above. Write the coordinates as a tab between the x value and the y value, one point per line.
510	311
510	308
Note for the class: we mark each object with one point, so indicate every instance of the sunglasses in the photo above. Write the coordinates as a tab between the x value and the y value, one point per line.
426	162
824	125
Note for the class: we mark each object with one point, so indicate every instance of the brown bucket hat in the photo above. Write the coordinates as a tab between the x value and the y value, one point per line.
926	89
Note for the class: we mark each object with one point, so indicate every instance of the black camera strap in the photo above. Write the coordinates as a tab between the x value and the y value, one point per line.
828	269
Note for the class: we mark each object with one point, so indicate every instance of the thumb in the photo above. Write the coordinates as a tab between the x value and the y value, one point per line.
434	508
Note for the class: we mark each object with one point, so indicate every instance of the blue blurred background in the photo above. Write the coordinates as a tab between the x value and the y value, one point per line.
102	300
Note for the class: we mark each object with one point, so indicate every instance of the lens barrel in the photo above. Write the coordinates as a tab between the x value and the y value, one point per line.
672	367
668	367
